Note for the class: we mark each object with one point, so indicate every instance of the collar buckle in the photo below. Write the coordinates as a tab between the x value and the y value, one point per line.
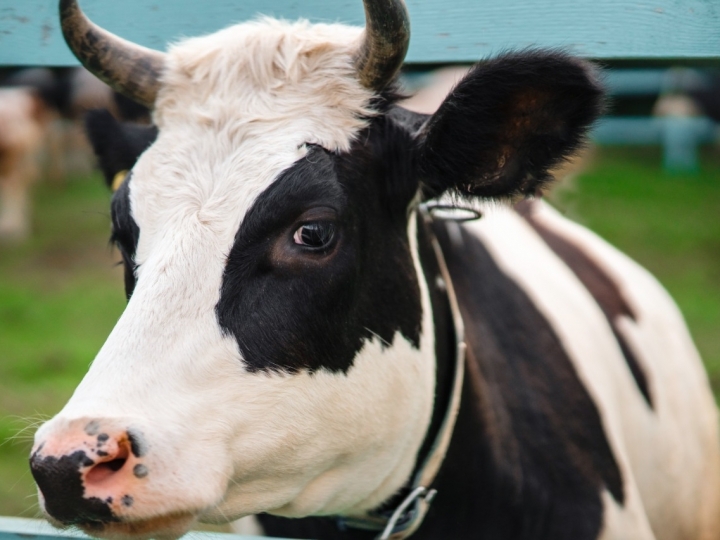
408	515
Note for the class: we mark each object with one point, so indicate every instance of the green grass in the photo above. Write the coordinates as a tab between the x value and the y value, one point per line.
61	293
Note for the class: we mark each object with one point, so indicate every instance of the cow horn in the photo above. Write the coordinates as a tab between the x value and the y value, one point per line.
387	35
126	67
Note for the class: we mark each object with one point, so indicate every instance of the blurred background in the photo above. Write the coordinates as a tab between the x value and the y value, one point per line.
648	182
60	287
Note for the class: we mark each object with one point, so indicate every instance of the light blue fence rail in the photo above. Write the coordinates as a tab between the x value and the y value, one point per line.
443	30
643	82
679	136
12	528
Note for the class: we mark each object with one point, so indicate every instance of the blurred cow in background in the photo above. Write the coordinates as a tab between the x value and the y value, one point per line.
23	119
41	134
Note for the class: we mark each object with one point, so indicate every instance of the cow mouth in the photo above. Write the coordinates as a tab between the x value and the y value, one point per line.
167	527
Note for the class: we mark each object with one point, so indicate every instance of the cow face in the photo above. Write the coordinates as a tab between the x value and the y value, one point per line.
277	350
266	359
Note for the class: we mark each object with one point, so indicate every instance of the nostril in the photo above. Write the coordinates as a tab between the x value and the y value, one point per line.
115	464
103	470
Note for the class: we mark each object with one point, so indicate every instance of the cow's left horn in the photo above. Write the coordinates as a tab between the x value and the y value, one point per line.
128	68
387	35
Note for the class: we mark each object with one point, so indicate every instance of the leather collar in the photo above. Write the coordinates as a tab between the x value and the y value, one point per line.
405	518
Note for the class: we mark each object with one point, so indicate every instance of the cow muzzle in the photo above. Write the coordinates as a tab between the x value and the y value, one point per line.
92	472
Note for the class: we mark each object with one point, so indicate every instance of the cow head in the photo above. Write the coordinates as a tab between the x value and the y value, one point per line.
277	350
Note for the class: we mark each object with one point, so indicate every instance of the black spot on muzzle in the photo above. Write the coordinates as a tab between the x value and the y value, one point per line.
60	482
138	446
92	428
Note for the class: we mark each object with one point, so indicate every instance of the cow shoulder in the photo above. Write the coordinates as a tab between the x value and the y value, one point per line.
603	286
546	459
658	442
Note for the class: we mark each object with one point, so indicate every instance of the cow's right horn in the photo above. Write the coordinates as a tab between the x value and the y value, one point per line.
126	67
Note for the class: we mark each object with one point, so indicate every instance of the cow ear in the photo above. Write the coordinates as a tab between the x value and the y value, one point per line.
117	145
507	123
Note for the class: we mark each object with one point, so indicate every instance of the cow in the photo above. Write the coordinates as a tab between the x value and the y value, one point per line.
23	119
318	333
41	137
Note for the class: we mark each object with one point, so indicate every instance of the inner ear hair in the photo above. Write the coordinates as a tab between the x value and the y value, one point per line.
508	122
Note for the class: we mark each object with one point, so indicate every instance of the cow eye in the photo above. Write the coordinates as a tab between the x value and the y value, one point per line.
317	235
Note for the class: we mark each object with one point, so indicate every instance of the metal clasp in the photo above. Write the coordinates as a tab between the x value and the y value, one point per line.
451	212
402	518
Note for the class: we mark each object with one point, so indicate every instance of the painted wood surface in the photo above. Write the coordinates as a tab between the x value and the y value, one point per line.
443	30
12	528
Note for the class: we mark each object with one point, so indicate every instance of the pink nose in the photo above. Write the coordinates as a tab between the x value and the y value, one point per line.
88	471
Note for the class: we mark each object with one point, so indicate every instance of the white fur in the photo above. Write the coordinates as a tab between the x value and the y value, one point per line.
248	526
668	457
236	109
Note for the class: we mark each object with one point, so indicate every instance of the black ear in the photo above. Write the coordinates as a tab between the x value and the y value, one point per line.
116	145
507	122
129	110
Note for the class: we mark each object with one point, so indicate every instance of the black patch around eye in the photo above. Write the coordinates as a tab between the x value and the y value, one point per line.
289	317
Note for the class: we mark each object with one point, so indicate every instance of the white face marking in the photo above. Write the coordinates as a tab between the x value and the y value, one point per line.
237	109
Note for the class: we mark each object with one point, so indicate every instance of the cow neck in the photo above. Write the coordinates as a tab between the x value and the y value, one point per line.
405	514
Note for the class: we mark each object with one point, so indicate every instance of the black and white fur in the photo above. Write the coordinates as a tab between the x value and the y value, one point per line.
294	382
